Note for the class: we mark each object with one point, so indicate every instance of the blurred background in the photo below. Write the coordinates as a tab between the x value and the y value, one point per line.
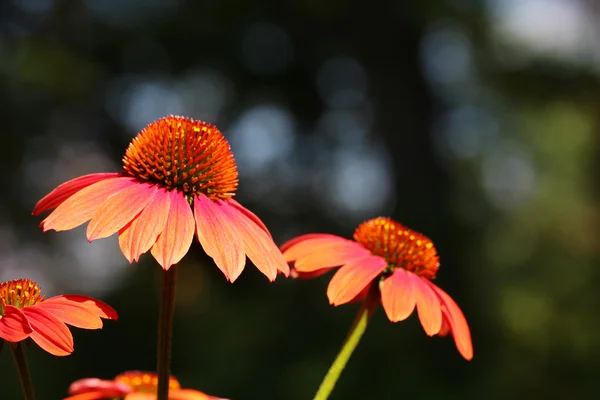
474	122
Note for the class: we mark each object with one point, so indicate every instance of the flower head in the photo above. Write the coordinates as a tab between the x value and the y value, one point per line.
179	177
400	261
131	385
24	313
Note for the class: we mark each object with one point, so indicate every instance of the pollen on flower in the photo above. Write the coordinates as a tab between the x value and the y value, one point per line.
20	293
184	154
144	382
400	246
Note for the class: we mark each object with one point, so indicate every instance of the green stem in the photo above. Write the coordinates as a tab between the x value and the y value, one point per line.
23	370
165	331
356	331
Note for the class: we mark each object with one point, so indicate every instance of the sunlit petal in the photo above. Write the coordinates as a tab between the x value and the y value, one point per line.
352	278
14	326
398	295
49	332
428	305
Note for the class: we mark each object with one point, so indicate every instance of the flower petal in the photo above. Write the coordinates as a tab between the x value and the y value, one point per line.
67	189
99	395
218	237
80	207
176	238
14	326
48	332
109	388
428	305
457	321
250	215
80	311
96	306
142	396
259	247
352	278
119	209
398	295
138	237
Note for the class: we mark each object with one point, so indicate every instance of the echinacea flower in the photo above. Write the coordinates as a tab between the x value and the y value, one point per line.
179	177
24	313
131	385
401	261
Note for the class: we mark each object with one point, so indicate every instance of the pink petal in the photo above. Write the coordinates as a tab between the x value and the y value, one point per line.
428	305
96	306
138	237
352	278
398	295
457	321
67	189
14	326
250	215
86	385
48	332
176	238
119	209
80	207
218	237
80	311
259	247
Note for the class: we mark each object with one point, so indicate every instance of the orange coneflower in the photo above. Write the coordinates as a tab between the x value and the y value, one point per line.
24	313
178	176
401	261
131	385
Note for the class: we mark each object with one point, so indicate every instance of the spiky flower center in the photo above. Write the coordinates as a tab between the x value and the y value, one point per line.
180	153
19	293
400	246
144	382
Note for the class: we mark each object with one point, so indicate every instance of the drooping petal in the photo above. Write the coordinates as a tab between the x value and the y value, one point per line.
109	388
138	237
259	247
294	273
48	332
119	209
250	215
457	321
398	295
218	237
80	207
67	189
142	396
176	238
428	305
352	278
14	326
80	311
96	306
190	394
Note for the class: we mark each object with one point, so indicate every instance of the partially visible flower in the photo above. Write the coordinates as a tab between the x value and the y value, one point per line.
24	313
401	261
179	177
131	385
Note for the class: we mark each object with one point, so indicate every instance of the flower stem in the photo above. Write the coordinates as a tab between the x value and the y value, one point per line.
23	370
165	331
356	331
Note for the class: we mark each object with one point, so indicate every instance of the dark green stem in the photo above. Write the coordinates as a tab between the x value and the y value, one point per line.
165	331
356	331
23	370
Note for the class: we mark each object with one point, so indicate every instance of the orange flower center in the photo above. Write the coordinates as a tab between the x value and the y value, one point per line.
180	153
399	246
144	382
19	293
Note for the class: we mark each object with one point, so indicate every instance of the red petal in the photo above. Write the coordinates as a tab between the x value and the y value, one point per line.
67	189
14	326
218	237
80	207
250	215
80	311
428	305
308	275
48	332
352	278
398	295
97	307
176	238
119	209
138	237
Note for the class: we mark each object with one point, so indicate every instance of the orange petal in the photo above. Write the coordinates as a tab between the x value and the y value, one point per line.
95	396
398	295
80	207
96	306
250	215
14	326
176	238
138	237
119	209
259	247
190	394
142	396
218	237
67	189
80	311
48	332
86	385
352	278
428	305
457	321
